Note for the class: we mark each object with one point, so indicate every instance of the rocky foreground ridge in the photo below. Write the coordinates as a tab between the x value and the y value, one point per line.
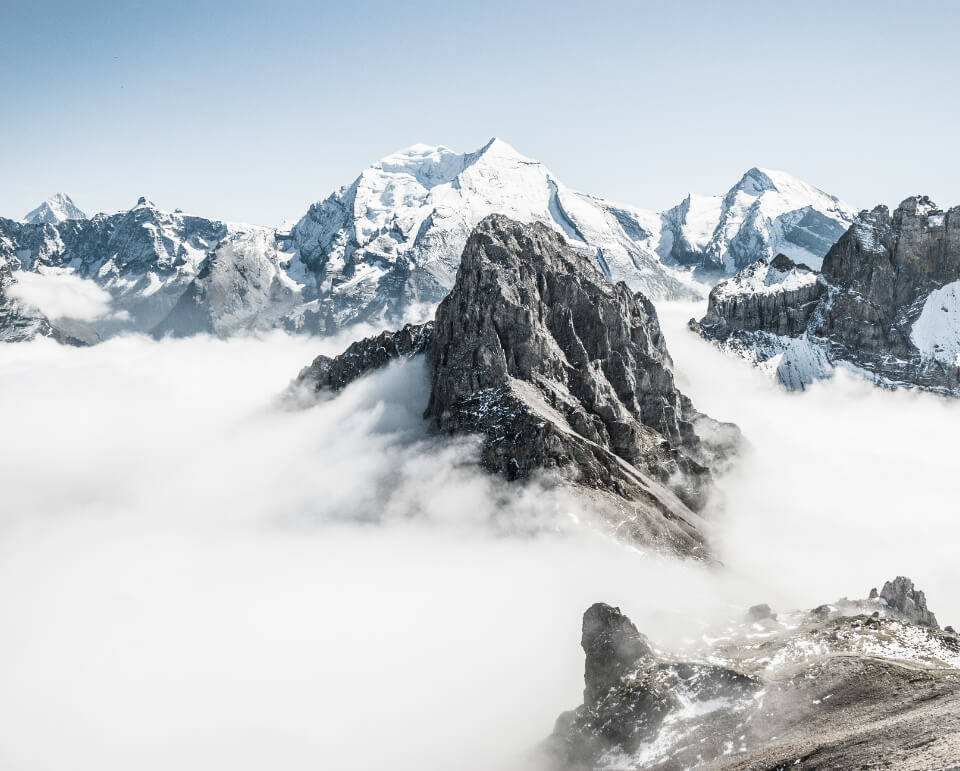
562	374
852	684
887	304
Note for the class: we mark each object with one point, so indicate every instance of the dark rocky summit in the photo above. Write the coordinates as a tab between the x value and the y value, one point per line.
887	303
854	684
560	373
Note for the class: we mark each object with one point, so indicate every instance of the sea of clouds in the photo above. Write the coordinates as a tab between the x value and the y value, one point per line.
195	575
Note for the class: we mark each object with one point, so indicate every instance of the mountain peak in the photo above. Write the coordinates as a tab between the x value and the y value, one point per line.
57	208
757	180
144	201
497	148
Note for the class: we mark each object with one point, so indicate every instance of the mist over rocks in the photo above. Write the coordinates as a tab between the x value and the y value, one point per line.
847	685
886	304
561	373
327	373
20	321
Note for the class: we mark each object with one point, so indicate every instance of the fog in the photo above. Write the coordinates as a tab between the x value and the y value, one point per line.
193	576
60	294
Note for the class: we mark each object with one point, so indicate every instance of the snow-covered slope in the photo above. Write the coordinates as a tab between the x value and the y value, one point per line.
391	242
55	209
145	258
766	213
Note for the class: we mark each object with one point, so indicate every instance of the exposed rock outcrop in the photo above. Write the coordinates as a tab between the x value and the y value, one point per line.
335	374
556	367
902	598
560	373
854	684
887	304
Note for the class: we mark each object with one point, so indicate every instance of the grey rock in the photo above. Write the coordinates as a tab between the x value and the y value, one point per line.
737	306
910	603
613	648
827	689
877	281
761	612
556	367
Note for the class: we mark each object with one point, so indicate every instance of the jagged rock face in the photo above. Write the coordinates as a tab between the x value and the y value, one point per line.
562	375
910	603
887	303
612	646
335	374
559	369
631	692
855	684
776	297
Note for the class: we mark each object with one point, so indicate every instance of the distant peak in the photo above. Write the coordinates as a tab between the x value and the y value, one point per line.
56	208
496	147
756	181
144	201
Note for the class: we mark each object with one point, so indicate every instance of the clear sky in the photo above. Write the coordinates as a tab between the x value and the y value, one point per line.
253	110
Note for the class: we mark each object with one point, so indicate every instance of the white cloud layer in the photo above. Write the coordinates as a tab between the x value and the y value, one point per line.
193	578
59	295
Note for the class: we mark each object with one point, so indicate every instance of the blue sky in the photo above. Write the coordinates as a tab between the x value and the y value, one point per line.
252	110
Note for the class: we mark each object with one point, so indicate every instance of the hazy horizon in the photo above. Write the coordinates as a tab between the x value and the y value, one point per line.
253	112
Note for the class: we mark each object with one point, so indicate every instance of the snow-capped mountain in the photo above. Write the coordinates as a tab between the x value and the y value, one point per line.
385	249
391	241
55	209
766	213
145	257
886	304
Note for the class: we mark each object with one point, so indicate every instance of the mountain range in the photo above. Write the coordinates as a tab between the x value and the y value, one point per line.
385	248
886	304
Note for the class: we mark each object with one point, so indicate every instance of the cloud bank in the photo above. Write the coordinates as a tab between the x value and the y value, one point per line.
61	295
194	577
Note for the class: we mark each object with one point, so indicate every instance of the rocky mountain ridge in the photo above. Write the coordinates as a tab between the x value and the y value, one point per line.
563	375
886	304
851	684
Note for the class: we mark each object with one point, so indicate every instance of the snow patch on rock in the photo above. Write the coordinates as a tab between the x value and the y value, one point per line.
936	332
